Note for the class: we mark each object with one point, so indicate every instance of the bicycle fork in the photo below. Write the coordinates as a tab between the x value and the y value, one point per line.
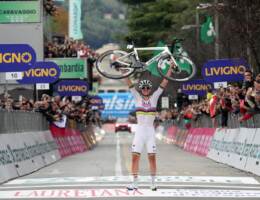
169	57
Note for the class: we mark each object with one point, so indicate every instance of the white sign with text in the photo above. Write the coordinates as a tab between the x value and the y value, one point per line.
42	86
13	75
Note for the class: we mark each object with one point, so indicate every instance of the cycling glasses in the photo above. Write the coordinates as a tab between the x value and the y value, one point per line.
147	88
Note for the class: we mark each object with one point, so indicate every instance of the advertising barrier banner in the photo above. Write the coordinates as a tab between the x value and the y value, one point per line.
224	70
30	144
117	104
69	141
20	11
71	88
226	147
7	167
53	155
16	57
71	68
252	150
239	150
43	72
196	87
216	146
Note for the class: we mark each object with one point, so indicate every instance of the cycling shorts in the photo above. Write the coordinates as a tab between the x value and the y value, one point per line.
144	135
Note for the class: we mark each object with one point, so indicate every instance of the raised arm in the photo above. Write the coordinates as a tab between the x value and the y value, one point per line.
164	82
129	82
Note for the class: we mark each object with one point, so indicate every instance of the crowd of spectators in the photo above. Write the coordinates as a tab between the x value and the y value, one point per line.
55	108
67	47
240	100
63	46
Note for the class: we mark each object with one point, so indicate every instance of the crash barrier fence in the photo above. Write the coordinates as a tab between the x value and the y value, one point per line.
74	138
237	147
204	120
25	149
21	121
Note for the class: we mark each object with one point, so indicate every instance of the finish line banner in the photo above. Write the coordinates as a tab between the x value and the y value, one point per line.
20	11
224	70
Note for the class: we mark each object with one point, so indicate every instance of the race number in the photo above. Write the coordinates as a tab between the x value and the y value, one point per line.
165	102
42	86
76	98
14	75
193	97
218	85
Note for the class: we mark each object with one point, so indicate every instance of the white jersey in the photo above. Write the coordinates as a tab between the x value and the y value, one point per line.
146	109
145	113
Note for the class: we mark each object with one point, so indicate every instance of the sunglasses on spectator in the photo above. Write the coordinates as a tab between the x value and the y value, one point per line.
147	88
247	74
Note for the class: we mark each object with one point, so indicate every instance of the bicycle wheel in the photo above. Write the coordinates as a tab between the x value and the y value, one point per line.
183	72
114	64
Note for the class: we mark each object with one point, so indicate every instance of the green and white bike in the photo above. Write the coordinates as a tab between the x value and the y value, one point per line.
118	64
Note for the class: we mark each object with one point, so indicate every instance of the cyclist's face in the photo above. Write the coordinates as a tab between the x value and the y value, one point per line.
146	91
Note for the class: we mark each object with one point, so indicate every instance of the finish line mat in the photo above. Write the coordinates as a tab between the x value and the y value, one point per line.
106	193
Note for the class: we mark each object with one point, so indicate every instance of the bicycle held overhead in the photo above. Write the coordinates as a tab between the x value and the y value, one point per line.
118	64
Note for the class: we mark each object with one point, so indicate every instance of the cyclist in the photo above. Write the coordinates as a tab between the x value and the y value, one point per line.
146	103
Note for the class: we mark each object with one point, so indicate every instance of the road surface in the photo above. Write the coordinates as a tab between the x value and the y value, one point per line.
104	172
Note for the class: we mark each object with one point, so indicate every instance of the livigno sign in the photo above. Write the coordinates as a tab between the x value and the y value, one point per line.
71	88
19	11
43	72
195	87
71	68
229	70
16	57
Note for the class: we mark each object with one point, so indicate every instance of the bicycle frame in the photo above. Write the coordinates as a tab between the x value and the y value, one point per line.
165	50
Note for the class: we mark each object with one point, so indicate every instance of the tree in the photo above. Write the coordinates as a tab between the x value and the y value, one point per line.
96	28
243	18
152	21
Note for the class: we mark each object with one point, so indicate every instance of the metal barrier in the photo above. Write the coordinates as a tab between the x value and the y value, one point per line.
204	121
21	121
